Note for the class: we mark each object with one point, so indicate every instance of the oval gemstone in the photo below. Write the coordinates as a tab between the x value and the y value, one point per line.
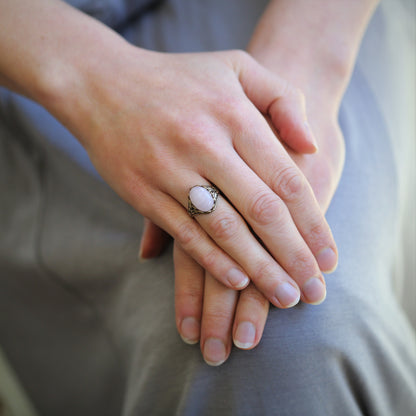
201	198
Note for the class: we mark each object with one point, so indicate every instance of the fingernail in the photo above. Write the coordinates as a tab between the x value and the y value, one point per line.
237	279
327	260
287	295
245	335
140	255
214	352
311	137
314	291
190	329
142	259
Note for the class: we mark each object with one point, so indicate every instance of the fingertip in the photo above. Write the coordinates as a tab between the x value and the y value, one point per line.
146	255
286	295
310	149
327	260
237	279
142	255
215	352
142	260
311	142
295	133
245	336
190	330
314	290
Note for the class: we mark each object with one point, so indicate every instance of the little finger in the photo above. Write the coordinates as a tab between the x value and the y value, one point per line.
169	215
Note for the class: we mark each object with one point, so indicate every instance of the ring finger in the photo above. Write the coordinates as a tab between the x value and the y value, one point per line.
228	229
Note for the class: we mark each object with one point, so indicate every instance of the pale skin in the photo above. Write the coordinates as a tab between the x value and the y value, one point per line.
156	124
152	137
314	45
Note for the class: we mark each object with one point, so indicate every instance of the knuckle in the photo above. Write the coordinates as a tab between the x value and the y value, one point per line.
256	299
241	55
240	59
263	274
186	235
234	112
285	88
318	234
136	188
265	208
192	134
293	93
301	263
207	146
189	293
289	184
210	260
296	93
218	317
224	227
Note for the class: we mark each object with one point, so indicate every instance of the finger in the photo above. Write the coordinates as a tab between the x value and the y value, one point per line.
288	116
189	292
271	220
153	241
169	215
229	230
285	104
286	107
272	163
250	318
217	319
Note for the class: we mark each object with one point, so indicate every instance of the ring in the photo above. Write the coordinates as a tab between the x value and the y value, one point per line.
202	199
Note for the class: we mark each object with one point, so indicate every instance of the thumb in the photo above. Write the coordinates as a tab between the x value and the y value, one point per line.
279	100
154	240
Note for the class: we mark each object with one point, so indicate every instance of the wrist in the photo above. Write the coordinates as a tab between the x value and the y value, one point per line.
310	71
78	59
50	51
313	44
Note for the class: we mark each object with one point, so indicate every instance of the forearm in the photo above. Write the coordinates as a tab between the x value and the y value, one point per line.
312	42
47	48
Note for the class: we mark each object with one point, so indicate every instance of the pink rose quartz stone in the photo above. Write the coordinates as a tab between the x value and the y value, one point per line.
201	198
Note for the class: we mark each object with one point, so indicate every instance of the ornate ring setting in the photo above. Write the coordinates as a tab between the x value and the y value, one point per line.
202	199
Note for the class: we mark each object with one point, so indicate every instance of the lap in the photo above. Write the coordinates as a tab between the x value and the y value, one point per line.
73	290
78	306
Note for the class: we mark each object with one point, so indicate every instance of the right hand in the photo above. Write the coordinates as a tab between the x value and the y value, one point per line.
157	124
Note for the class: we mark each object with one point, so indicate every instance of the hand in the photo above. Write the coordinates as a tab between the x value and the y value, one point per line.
217	316
204	309
157	124
324	83
168	122
208	312
213	314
